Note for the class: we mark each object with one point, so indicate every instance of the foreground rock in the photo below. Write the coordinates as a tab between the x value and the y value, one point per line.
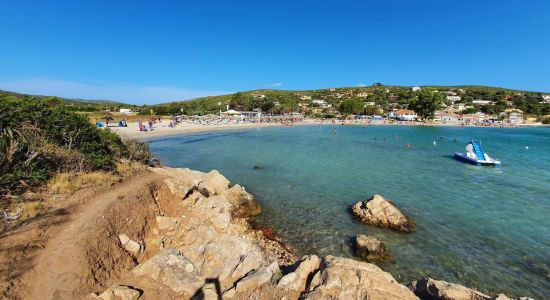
430	289
343	278
381	212
371	249
117	292
198	243
297	280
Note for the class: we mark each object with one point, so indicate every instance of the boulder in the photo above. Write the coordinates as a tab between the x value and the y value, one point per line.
343	278
117	292
296	281
371	249
381	212
213	183
430	289
243	204
172	269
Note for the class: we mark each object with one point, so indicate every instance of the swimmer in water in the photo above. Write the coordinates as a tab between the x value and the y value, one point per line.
334	131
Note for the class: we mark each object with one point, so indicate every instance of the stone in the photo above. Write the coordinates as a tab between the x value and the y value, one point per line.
383	213
172	269
129	244
427	288
254	280
213	183
296	281
243	204
343	278
118	292
166	223
371	249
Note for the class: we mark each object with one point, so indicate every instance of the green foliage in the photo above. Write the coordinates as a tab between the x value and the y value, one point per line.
426	103
38	138
351	106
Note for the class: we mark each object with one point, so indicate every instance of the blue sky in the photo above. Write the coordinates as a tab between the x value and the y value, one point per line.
156	51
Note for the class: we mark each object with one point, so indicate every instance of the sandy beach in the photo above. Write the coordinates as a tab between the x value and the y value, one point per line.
162	129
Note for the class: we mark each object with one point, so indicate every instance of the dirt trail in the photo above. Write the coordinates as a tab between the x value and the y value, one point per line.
55	273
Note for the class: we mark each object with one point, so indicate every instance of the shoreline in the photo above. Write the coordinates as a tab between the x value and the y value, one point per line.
132	132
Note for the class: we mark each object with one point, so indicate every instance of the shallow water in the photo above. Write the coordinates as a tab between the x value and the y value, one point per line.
483	227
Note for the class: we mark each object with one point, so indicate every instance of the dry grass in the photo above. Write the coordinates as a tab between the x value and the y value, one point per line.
30	210
127	168
68	183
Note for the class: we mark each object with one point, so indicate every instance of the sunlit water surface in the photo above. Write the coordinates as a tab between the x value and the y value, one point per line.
483	227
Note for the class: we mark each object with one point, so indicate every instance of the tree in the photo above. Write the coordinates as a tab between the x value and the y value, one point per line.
426	103
351	106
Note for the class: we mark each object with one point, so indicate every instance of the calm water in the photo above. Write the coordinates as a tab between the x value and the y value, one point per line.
483	227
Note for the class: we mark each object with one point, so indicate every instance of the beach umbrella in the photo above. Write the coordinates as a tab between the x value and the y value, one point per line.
108	118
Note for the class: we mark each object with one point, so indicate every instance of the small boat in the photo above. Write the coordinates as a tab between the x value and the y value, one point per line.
475	155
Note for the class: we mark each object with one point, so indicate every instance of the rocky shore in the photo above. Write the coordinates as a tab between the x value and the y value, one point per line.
199	244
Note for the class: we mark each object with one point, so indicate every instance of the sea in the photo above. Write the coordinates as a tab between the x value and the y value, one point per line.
483	227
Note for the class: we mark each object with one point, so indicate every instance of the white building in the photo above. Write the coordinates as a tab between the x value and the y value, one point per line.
416	88
546	99
405	115
125	111
482	102
453	98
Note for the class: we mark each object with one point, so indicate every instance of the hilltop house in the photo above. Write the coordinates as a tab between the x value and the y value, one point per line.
453	98
481	102
416	88
546	99
405	115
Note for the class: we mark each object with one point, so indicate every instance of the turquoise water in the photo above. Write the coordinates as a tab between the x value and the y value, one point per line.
482	227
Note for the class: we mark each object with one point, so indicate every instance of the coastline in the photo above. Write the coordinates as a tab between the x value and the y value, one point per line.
163	130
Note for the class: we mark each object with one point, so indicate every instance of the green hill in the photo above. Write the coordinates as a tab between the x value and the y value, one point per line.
71	104
383	97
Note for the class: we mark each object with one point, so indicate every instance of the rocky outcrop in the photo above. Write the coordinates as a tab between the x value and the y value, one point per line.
173	270
342	278
381	212
431	289
371	249
199	244
296	280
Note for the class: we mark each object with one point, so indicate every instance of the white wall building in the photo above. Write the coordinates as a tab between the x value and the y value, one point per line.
416	88
125	111
453	98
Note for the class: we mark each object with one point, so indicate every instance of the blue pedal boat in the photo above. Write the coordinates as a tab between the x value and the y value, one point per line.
476	156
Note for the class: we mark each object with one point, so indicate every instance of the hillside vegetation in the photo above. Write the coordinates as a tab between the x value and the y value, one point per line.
39	138
352	100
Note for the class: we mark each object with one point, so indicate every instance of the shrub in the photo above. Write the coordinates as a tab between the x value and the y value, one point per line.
38	139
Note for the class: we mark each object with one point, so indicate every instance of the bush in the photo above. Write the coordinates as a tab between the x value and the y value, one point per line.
38	139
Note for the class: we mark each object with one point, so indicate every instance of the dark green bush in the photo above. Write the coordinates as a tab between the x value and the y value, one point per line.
38	139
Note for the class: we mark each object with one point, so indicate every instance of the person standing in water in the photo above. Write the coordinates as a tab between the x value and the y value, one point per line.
334	131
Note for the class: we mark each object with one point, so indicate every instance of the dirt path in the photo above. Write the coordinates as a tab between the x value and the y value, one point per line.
55	272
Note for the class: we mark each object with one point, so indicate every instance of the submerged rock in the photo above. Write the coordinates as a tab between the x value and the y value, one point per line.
371	249
381	212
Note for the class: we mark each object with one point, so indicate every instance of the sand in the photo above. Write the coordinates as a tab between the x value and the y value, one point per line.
162	129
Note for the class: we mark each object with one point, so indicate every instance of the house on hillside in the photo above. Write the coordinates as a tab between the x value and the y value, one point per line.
416	88
125	111
546	99
453	98
482	102
405	115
